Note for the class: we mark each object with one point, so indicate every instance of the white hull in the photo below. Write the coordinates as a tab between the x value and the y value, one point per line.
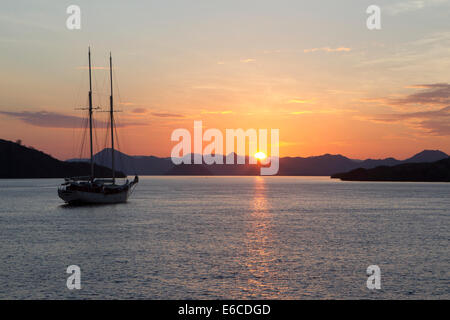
93	197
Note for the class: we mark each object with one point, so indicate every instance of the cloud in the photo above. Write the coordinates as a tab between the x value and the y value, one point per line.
301	101
435	122
328	49
139	110
405	6
412	5
432	94
431	107
290	143
444	112
217	112
301	112
58	120
247	60
127	104
321	111
167	115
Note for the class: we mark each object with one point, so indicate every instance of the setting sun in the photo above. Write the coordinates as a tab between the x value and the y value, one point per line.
260	155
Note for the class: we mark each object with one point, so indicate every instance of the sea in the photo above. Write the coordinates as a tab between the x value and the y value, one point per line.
228	238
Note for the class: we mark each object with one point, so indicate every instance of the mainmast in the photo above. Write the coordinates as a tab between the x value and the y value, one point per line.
111	112
90	116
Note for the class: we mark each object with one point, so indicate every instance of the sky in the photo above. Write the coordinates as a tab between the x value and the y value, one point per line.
311	69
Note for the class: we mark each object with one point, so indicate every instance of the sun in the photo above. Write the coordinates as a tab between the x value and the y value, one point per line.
260	155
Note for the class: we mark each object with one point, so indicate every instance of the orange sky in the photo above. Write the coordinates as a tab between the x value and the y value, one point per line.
326	82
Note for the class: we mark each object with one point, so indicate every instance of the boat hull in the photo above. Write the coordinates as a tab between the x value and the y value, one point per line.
76	196
96	191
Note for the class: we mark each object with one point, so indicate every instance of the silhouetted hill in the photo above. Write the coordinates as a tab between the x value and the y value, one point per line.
427	156
372	163
438	171
141	165
17	161
324	165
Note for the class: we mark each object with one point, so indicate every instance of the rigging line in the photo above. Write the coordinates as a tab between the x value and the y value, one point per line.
133	167
124	132
126	141
116	85
83	126
121	162
117	89
101	95
83	139
103	155
86	132
86	137
79	143
96	93
94	128
75	103
117	143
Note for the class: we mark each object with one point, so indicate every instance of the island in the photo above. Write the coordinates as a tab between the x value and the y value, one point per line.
438	171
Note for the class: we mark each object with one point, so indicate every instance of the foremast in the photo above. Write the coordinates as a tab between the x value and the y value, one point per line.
111	113
90	116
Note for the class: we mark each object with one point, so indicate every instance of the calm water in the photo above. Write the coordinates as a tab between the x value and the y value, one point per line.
228	237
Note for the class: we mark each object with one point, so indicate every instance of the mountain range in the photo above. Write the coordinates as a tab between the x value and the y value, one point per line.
18	161
324	165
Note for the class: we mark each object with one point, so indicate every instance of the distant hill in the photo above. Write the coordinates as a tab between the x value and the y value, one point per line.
427	156
17	161
324	165
438	171
131	165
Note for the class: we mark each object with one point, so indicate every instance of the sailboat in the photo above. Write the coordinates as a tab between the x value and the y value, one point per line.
95	190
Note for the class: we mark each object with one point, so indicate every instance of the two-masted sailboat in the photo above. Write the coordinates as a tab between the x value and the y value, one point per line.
95	190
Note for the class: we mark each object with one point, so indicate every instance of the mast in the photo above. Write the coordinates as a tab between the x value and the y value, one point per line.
111	112
90	116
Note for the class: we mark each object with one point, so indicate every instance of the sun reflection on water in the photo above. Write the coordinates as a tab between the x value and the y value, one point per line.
260	258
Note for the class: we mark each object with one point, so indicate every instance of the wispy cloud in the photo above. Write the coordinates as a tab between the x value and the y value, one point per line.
247	60
127	104
432	102
321	111
301	112
58	120
167	115
139	110
432	94
435	94
31	21
327	49
412	5
436	122
300	101
216	112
